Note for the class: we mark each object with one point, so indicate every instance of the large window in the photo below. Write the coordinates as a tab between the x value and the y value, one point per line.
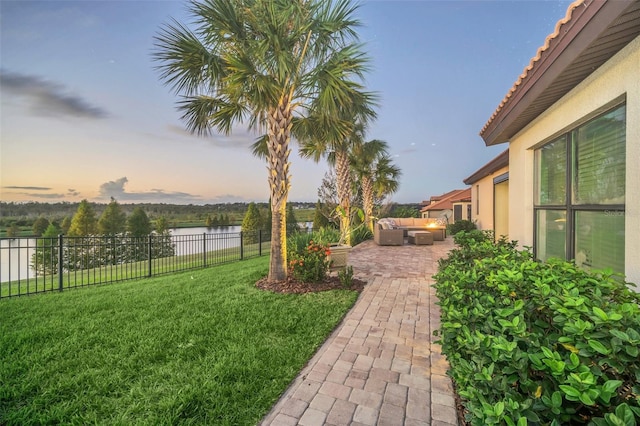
580	194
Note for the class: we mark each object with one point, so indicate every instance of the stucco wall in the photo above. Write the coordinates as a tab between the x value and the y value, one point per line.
482	200
448	213
501	209
619	76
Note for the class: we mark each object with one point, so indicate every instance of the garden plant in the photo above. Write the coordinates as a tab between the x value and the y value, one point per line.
541	343
310	264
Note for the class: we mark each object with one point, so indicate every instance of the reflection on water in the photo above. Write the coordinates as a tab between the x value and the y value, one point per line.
16	253
15	257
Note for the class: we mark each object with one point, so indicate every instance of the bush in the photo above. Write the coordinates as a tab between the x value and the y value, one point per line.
326	235
538	343
345	275
360	234
308	258
298	242
461	225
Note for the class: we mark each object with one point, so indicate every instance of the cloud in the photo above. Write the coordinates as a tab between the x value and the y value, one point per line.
115	189
29	188
23	191
48	98
412	148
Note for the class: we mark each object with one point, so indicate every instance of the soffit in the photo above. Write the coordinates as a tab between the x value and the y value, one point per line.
589	35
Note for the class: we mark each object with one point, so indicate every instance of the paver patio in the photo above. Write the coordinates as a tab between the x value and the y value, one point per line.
380	366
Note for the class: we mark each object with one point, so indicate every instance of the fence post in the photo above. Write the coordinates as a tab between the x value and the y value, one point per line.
150	252
204	249
60	257
259	242
241	247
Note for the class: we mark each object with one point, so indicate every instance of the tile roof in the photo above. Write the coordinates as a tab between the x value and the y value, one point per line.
502	160
591	32
445	201
532	62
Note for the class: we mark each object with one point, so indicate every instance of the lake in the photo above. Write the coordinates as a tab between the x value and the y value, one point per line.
15	254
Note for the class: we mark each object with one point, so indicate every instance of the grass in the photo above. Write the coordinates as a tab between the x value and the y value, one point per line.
203	347
127	271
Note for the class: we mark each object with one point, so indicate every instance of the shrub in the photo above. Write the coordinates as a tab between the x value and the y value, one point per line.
298	242
360	234
345	275
461	225
544	343
311	264
326	235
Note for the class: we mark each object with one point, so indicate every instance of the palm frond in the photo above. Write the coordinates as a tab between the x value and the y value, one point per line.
334	25
203	113
260	148
186	64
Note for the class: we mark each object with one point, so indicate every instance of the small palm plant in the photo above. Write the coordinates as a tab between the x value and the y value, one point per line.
377	174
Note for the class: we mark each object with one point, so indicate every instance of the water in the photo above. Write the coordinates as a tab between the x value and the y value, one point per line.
15	258
15	254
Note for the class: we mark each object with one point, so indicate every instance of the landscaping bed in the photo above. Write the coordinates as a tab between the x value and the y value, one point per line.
291	285
537	343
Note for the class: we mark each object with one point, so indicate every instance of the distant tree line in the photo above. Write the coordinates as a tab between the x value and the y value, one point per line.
217	220
18	216
110	239
259	219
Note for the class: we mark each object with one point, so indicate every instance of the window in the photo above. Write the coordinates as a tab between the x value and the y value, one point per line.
457	212
580	194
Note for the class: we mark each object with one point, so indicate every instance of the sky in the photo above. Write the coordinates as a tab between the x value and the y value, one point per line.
84	114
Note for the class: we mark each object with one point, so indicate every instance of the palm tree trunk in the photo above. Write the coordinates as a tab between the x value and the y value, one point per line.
343	187
279	131
367	200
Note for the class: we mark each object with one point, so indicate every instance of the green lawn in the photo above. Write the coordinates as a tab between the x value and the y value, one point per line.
201	347
128	271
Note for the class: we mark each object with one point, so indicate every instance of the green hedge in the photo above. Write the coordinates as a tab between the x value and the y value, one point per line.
461	225
537	343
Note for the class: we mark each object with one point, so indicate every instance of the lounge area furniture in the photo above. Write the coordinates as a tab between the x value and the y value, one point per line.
437	226
387	237
420	238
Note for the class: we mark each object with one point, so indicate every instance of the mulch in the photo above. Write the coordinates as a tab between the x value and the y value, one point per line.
291	286
460	408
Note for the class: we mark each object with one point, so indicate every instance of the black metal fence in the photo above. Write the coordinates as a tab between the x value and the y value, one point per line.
38	265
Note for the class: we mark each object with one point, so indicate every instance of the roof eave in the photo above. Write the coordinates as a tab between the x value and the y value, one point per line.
574	35
502	160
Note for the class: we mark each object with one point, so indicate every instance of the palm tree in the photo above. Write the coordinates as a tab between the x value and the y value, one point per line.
335	140
377	174
264	63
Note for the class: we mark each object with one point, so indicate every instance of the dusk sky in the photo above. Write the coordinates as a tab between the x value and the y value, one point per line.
85	115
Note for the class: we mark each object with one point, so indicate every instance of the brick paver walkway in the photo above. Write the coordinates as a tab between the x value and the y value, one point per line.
380	366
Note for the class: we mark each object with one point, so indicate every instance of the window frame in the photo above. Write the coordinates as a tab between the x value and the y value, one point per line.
571	209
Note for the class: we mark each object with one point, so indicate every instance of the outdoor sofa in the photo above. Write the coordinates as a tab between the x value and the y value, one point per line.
387	236
392	230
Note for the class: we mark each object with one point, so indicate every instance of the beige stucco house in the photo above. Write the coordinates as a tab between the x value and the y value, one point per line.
490	195
572	125
453	206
